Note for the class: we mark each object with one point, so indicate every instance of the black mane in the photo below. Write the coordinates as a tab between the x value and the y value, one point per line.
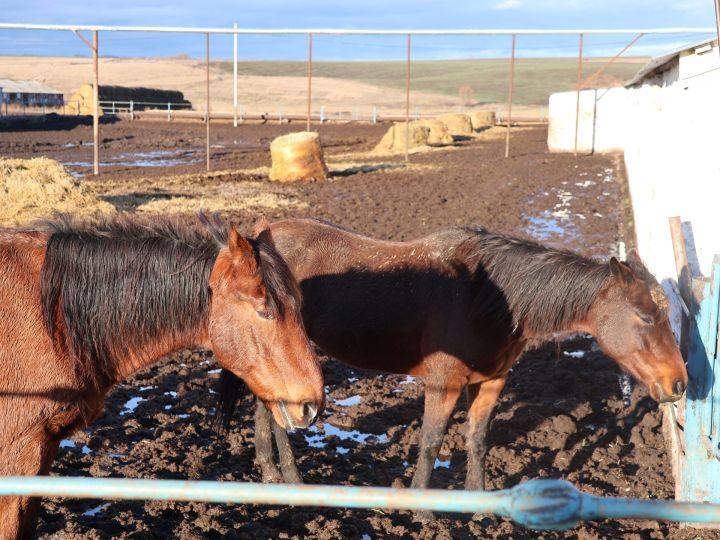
112	285
522	284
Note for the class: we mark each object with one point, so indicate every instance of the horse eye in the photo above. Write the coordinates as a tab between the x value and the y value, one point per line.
265	315
647	319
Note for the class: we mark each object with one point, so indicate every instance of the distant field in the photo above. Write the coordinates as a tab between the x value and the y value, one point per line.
535	79
339	88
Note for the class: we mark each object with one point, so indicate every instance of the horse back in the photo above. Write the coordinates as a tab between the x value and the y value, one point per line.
373	303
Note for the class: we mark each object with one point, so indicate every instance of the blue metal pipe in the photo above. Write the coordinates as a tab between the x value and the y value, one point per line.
538	504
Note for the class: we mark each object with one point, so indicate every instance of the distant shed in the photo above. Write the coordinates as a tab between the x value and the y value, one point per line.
29	94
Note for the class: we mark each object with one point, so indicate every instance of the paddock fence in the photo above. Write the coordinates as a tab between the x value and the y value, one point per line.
537	504
410	48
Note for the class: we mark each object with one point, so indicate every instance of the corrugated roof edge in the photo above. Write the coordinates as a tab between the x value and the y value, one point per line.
659	61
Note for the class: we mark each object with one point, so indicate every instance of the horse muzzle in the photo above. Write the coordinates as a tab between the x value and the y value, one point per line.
298	415
678	391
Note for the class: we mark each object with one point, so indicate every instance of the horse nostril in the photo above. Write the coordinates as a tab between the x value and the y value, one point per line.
309	411
679	387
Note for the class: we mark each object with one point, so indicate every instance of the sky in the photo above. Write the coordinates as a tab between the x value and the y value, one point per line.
355	14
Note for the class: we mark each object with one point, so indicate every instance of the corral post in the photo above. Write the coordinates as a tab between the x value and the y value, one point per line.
96	98
309	80
577	92
700	471
168	111
96	106
510	97
407	103
235	73
207	101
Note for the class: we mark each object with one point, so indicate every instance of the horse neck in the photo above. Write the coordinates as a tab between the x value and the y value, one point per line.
533	291
561	306
125	364
148	304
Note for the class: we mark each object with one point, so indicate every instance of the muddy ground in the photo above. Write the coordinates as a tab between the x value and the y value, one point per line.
560	416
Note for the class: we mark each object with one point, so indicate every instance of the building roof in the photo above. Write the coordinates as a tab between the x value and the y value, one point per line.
659	61
26	87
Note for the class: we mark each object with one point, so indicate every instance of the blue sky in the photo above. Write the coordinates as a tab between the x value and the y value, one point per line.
384	14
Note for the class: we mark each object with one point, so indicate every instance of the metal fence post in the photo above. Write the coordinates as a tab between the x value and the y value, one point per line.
235	77
309	79
510	98
577	93
407	103
207	101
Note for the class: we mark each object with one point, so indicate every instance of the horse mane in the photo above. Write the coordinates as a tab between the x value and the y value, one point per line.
522	284
112	285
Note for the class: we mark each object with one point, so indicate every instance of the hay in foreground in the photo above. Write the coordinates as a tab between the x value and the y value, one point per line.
35	188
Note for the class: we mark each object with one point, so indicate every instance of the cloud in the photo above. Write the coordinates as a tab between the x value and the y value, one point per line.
508	4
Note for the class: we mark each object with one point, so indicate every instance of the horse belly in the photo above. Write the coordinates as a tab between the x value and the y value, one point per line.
382	350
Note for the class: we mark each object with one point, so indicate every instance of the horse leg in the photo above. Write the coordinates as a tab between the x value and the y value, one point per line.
28	457
440	401
263	445
481	401
287	456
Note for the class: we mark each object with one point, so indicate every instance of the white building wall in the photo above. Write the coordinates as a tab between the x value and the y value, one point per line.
669	132
673	164
601	125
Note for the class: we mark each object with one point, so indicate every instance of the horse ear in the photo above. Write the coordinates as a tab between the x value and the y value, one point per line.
240	247
622	272
261	231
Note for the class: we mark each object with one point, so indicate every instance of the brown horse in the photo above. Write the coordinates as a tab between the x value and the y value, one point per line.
457	308
84	305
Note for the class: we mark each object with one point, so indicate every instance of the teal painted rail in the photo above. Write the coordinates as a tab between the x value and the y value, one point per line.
538	504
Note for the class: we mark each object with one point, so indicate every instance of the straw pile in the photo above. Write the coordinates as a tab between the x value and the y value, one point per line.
35	188
457	124
394	139
297	156
439	134
81	102
482	119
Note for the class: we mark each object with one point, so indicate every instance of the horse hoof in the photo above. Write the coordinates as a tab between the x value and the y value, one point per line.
423	516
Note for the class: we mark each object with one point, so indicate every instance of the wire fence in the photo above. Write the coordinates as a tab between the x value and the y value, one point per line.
393	75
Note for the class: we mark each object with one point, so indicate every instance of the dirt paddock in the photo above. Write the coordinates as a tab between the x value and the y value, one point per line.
561	414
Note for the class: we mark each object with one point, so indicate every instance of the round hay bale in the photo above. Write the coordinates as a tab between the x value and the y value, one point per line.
35	188
457	124
482	119
297	156
394	139
439	134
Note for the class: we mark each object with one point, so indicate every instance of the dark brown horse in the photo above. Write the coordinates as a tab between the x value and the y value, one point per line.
84	305
457	308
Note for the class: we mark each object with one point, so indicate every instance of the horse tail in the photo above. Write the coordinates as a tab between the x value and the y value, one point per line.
230	391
